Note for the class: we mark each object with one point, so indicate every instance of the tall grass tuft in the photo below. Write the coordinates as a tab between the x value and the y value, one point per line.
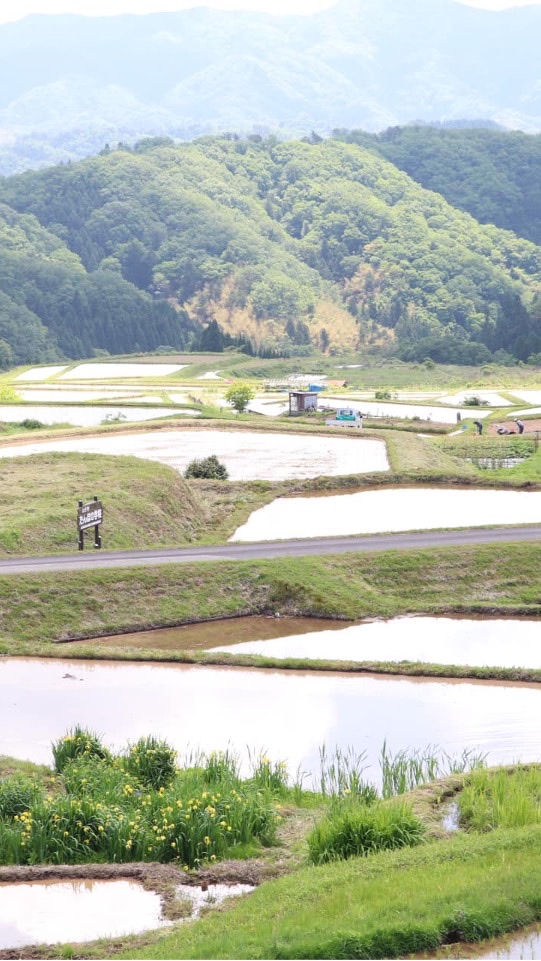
408	769
359	829
501	799
341	774
17	794
152	761
77	743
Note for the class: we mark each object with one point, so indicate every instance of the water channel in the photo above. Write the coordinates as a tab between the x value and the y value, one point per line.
388	509
286	714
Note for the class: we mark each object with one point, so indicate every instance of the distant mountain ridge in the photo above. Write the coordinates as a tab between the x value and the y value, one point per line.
69	84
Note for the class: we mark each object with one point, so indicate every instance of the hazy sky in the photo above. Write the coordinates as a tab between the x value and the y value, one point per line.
15	9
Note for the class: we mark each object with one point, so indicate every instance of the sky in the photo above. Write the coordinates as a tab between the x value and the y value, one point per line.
16	9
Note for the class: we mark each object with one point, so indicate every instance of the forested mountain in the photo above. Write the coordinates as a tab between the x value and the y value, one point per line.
51	306
69	84
494	175
287	245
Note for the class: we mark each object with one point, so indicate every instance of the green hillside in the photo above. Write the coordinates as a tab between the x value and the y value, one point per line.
492	174
288	246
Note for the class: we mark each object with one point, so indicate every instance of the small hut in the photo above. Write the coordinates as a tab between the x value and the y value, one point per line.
302	402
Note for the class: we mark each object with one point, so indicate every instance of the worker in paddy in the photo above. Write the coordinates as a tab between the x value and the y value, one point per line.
520	425
479	426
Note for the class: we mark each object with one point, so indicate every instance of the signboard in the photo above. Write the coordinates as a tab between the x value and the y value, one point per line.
88	515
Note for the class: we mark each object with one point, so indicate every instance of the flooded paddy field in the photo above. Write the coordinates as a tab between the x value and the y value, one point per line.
248	455
440	415
84	416
206	635
475	642
461	640
287	714
48	912
388	509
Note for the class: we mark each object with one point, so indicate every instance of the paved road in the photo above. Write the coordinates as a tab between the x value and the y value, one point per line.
267	549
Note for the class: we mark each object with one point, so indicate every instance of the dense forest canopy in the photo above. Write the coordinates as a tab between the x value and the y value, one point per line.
495	175
281	246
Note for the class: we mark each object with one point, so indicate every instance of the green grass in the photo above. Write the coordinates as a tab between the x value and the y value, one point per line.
384	906
501	799
40	609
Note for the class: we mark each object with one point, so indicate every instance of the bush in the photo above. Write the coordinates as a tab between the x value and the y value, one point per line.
30	424
152	761
354	829
75	744
209	468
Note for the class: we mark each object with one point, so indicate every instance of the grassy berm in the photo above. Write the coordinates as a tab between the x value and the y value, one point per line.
146	504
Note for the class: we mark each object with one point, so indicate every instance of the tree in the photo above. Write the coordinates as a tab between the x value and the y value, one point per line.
238	396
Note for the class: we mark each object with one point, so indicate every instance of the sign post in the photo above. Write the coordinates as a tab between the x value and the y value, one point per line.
89	515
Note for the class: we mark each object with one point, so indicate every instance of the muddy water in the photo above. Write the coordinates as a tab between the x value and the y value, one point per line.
201	637
287	714
110	371
473	642
48	912
248	455
388	509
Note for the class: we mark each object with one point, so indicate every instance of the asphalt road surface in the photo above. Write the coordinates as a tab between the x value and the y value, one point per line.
262	550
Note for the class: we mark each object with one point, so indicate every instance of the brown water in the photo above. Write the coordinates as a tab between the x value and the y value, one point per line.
477	642
47	912
388	509
232	631
287	714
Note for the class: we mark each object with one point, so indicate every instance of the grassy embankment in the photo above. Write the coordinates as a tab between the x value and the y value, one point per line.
385	906
39	610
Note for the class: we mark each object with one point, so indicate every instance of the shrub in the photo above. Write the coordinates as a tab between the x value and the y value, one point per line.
77	743
208	468
152	761
354	829
29	423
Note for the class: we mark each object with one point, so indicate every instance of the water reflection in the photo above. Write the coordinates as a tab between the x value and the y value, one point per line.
231	631
288	714
388	509
47	912
476	642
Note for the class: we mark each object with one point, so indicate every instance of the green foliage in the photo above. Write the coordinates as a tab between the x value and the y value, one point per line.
357	829
209	468
135	806
501	799
78	742
152	761
17	794
406	770
238	395
106	254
